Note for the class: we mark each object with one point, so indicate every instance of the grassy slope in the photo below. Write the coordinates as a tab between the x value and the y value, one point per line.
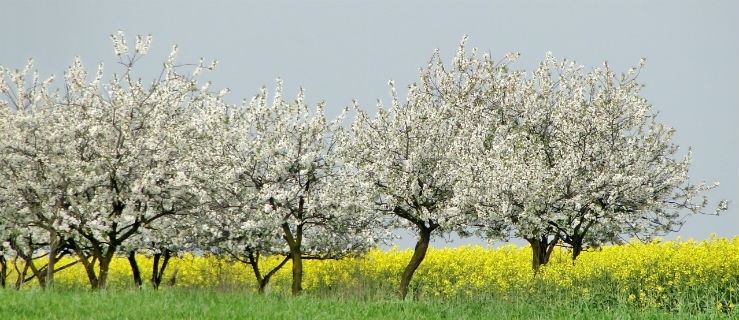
178	304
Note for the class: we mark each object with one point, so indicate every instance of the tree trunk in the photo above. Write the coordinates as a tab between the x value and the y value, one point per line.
28	264
297	285
577	248
84	256
541	249
90	270
36	273
3	271
538	250
157	272
21	276
419	253
263	281
135	269
103	267
296	255
89	266
51	265
262	285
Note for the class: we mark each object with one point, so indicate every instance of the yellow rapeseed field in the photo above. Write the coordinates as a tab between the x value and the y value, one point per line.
656	274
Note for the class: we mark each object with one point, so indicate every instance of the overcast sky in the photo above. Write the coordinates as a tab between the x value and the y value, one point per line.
344	50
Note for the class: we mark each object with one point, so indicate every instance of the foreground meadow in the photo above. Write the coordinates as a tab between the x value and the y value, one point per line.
674	278
204	304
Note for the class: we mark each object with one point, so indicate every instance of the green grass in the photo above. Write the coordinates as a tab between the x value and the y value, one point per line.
182	304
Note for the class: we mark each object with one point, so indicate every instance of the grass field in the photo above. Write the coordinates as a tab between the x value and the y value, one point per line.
201	304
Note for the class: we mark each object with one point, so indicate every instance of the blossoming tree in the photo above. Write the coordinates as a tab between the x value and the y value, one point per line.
279	187
117	162
31	186
587	162
408	158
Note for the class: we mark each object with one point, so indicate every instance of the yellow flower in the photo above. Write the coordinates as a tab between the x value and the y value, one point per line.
652	274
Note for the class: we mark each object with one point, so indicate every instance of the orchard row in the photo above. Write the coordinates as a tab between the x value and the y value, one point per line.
99	166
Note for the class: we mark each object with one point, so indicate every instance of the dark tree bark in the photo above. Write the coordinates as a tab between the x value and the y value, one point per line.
28	262
541	248
297	284
296	255
36	272
96	255
577	247
21	276
51	264
3	271
263	281
157	271
103	269
103	251
419	253
135	269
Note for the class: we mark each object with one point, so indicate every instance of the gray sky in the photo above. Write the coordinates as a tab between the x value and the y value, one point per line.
341	50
